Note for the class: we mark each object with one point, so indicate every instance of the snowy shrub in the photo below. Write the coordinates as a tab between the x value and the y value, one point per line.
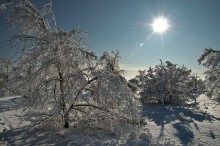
62	83
110	62
139	79
167	83
133	87
210	59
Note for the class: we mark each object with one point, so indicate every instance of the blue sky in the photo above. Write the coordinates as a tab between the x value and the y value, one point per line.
124	25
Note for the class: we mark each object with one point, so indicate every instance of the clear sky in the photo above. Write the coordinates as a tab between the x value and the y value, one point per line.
125	25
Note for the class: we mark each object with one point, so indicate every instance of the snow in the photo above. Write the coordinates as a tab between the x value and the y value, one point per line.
190	124
186	124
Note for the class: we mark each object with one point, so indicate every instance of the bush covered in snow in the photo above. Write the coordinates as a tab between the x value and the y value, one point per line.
167	83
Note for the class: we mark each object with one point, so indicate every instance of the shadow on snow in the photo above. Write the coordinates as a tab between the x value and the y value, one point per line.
42	136
182	118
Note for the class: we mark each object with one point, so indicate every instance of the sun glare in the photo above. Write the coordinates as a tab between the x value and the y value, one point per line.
160	25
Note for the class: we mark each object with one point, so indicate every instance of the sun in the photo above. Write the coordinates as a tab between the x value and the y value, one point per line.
160	25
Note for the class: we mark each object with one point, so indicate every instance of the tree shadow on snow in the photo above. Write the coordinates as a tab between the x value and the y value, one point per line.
42	136
182	118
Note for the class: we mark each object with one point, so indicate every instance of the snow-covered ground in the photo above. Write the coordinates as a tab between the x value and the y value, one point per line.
185	125
190	124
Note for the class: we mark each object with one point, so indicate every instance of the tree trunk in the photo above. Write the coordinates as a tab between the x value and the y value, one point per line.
66	120
63	105
162	99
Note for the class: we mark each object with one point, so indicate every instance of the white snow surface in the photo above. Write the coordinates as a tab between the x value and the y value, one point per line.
190	124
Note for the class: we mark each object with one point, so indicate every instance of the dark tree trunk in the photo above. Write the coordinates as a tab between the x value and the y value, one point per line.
66	125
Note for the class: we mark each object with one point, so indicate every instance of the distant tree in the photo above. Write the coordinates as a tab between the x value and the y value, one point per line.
211	60
139	79
110	62
167	83
200	85
196	83
134	81
133	84
60	82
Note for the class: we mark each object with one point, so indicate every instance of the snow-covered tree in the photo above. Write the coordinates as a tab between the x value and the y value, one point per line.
196	83
61	82
166	83
211	60
110	62
139	79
